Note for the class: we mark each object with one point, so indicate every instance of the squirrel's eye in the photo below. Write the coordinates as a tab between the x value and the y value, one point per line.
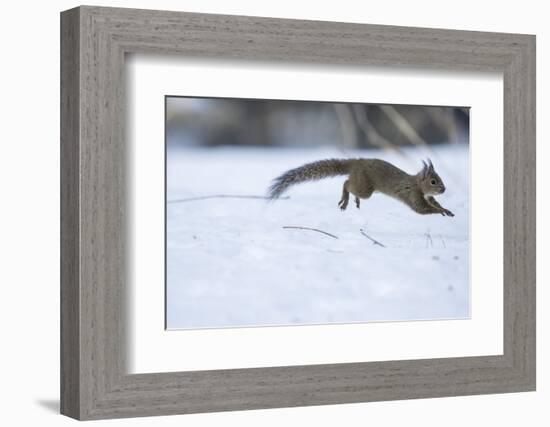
433	182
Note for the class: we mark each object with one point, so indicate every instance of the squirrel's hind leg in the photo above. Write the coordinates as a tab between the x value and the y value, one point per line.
343	203
361	189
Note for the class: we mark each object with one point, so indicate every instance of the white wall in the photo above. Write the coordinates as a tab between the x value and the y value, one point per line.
29	231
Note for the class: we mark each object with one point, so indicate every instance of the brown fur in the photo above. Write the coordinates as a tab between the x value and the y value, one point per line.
365	176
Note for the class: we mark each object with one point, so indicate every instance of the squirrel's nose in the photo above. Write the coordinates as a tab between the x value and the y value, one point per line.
442	189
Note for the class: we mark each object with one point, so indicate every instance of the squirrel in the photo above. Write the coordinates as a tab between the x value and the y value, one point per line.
365	176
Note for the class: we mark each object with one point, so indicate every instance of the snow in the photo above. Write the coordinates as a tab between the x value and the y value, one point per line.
230	263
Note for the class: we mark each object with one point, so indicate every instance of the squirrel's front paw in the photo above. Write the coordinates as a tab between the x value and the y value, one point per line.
447	212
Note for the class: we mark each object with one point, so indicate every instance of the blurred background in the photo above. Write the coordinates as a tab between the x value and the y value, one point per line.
251	122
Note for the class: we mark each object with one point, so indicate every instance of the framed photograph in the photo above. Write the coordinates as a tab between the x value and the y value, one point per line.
261	213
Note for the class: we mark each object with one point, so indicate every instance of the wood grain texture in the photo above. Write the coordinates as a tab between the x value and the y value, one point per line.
70	291
95	276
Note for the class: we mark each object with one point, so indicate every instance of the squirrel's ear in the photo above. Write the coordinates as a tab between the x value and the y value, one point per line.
431	164
425	169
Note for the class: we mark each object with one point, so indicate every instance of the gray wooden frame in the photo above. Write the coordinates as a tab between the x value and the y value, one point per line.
94	382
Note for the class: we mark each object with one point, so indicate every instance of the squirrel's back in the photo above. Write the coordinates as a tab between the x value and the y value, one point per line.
384	176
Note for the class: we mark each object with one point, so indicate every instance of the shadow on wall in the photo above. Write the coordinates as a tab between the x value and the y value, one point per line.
52	405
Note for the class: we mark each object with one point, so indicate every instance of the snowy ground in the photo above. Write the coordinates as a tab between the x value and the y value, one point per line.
230	263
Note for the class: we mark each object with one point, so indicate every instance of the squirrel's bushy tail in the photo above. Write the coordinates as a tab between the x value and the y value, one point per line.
308	172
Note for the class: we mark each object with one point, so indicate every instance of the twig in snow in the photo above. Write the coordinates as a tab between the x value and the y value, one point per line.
376	242
310	229
443	241
223	196
429	240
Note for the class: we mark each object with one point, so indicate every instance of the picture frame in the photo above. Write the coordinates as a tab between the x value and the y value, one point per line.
94	269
